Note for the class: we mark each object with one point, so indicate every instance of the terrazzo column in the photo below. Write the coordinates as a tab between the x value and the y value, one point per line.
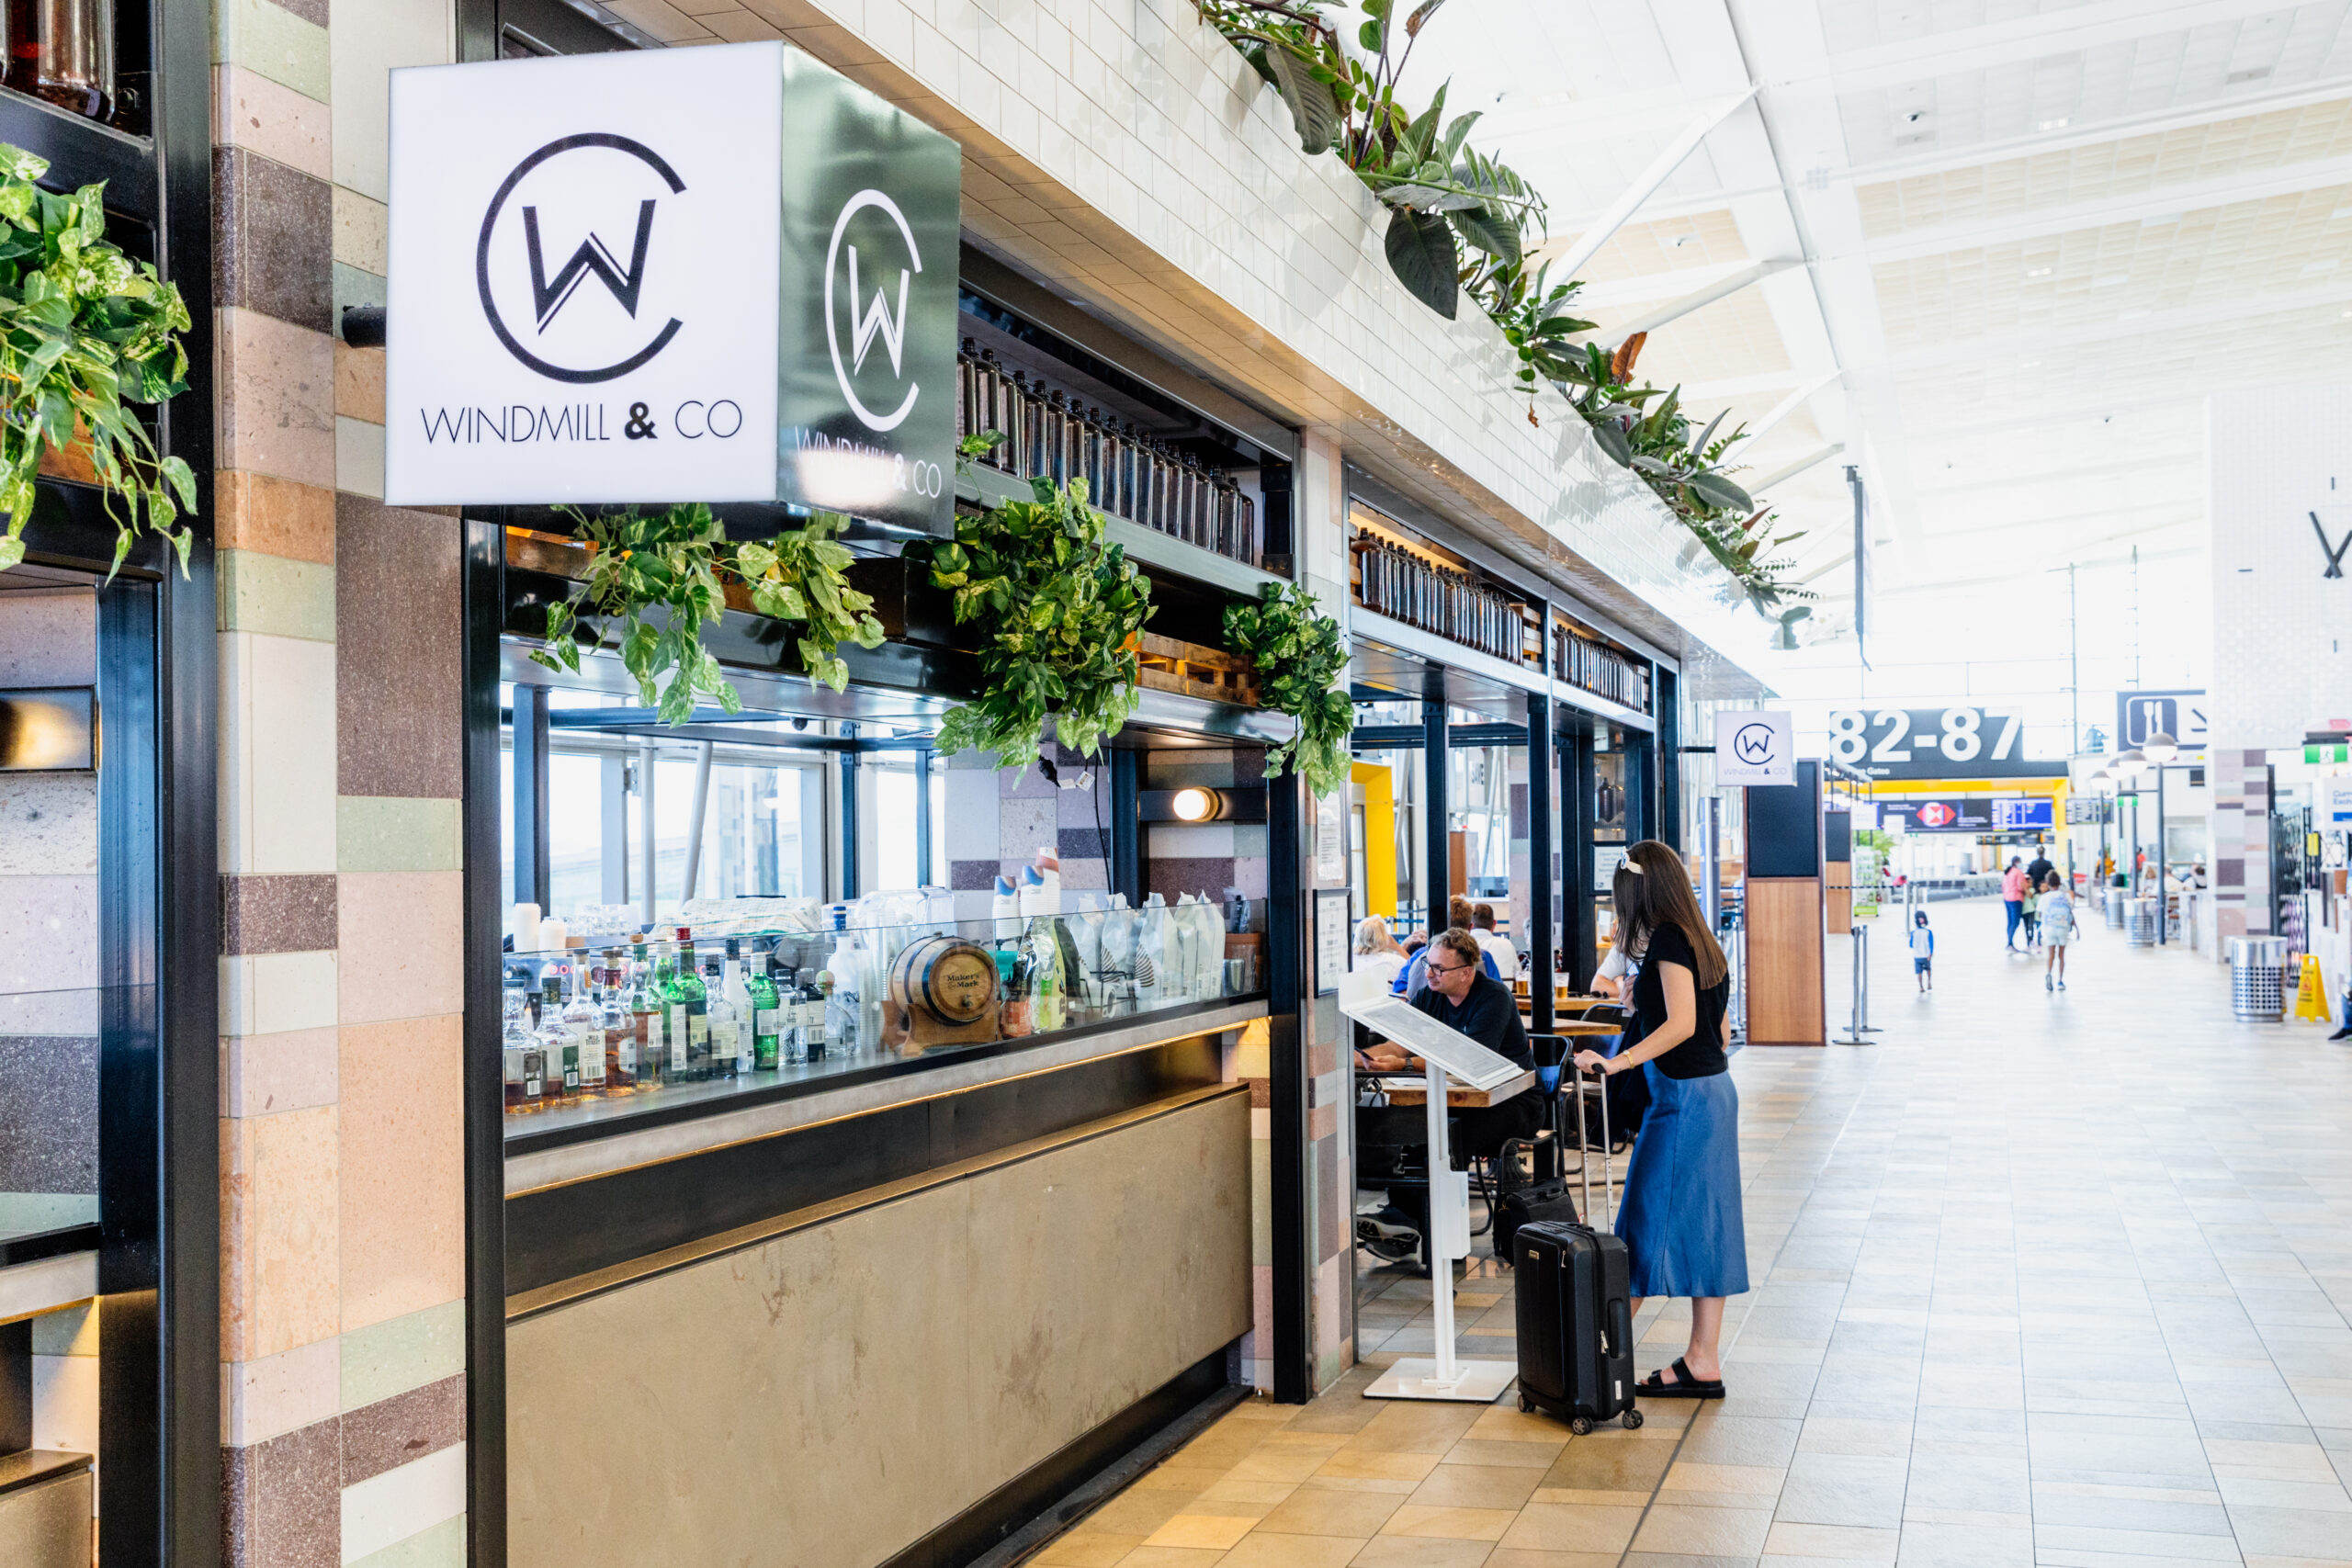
341	1255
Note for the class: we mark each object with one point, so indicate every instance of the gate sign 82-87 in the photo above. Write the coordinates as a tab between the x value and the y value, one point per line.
1934	743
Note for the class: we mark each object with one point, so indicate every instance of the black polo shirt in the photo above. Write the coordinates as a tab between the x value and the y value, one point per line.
1488	1013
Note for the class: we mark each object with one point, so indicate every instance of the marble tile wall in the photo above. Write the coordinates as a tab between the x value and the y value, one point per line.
343	1413
49	924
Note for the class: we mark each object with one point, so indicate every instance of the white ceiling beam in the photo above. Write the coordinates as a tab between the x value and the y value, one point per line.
2141	206
1589	243
1793	469
1675	309
1787	406
2090	133
1954	50
2035	340
1646	287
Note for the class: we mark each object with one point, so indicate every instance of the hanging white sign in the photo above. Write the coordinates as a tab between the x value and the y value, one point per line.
1755	746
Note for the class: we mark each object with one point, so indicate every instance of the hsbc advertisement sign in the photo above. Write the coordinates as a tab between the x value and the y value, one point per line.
721	274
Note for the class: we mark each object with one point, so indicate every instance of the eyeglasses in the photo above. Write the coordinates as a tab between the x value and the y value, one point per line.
1448	968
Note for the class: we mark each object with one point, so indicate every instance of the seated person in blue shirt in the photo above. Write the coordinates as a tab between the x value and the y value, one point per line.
1414	980
1465	995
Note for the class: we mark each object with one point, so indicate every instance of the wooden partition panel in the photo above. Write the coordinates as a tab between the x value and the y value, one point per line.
1785	1001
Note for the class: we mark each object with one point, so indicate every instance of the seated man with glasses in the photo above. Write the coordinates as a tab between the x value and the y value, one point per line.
1463	996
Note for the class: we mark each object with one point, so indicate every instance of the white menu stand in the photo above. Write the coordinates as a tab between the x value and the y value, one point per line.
1365	997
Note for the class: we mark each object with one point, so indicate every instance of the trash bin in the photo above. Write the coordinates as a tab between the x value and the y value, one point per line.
2139	924
2115	898
2258	976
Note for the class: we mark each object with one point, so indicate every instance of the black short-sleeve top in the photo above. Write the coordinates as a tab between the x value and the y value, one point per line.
1702	1054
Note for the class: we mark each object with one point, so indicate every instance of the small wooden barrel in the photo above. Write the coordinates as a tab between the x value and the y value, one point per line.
943	990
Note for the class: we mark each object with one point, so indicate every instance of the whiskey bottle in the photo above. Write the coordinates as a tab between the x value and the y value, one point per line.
767	1045
720	1010
584	1022
521	1063
620	1033
556	1044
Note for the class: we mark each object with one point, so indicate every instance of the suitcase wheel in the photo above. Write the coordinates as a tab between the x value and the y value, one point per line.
1581	1425
1633	1419
1526	1405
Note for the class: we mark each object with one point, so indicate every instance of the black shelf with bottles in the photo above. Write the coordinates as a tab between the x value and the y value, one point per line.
1394	580
1587	662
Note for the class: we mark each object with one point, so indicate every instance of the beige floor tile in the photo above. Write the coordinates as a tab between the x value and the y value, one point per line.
1320	1483
1587	1466
1844	1543
1419	1551
1477	1486
1703	1532
1360	1464
1500	1423
1080	1550
1260	1549
1513	1557
1512	1454
1402	1427
1178	1477
1453	1523
1170	1557
1591	1499
1278	1465
1232	1491
1214	1532
1762	1481
1549	1527
1135	1513
1311	1511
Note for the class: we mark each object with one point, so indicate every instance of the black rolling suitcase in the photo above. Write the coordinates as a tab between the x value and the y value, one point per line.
1576	1319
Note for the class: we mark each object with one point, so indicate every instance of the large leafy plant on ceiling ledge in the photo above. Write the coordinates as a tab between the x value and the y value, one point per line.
1461	222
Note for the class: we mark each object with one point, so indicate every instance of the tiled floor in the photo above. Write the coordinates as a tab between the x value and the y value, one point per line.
2043	1280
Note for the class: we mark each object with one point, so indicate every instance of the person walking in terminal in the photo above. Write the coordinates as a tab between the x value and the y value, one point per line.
2013	898
1681	1221
1923	951
2057	929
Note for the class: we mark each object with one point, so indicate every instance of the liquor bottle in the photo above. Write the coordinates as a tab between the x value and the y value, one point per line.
620	1033
562	1085
1042	951
647	1022
522	1064
738	992
845	973
688	1007
584	1020
767	1026
813	1008
967	396
720	1013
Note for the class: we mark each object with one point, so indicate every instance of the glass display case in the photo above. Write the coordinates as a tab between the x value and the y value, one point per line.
769	996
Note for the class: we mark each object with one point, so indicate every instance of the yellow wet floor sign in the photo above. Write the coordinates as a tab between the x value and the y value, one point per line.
2310	995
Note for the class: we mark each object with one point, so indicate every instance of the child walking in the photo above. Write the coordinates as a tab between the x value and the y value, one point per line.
1923	952
2057	910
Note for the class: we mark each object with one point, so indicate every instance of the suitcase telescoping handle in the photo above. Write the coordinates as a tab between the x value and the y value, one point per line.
1584	1163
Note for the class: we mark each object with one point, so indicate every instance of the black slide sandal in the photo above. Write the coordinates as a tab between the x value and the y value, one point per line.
1685	1386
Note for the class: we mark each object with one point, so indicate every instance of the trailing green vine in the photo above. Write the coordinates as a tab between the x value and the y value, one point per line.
1060	611
1302	661
1462	223
84	332
678	562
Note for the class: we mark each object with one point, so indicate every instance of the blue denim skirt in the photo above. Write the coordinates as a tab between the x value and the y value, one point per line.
1680	1217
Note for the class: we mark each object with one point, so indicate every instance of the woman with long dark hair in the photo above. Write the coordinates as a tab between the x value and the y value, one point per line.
1681	1216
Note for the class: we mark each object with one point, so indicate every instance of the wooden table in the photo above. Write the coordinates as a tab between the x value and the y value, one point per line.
1415	1091
1585	1029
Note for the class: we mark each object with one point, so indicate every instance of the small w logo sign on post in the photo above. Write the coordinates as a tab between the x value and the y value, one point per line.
877	320
593	256
2335	553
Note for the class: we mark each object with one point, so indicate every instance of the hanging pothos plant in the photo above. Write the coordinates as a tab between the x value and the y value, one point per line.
1302	663
1060	611
84	332
679	560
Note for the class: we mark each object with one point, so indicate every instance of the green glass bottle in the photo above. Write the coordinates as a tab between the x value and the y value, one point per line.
689	1009
767	1042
